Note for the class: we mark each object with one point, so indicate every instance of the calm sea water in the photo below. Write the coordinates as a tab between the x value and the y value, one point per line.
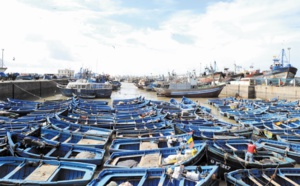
129	90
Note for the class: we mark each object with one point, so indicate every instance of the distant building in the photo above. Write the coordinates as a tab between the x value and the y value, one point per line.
66	72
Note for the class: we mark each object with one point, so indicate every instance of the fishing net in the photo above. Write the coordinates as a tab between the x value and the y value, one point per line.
85	155
148	145
128	163
150	160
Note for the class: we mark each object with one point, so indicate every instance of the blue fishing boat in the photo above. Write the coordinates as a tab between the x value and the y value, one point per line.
78	128
162	157
31	147
230	155
128	100
147	123
262	128
190	175
131	107
147	111
150	143
92	109
22	110
261	177
288	138
198	131
144	133
21	102
70	138
18	126
289	149
79	101
27	171
105	117
86	119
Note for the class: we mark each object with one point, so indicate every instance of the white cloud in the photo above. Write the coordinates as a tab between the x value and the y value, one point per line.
108	37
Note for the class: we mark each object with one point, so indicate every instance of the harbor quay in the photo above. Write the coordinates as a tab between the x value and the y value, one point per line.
262	91
29	89
36	89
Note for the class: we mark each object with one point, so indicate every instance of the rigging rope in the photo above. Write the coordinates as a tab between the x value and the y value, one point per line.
27	91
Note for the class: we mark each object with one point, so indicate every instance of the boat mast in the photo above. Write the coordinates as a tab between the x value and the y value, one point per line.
213	73
2	58
215	67
289	54
282	54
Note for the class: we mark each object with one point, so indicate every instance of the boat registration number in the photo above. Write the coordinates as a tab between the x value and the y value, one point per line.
222	165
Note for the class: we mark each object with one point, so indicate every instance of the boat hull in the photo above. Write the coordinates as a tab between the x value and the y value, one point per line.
153	176
273	176
228	163
26	171
117	159
208	92
283	72
95	93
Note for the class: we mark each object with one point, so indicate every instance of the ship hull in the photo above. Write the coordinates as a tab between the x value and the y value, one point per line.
208	92
283	72
96	93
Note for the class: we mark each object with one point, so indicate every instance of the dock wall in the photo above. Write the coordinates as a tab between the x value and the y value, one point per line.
35	89
29	89
262	91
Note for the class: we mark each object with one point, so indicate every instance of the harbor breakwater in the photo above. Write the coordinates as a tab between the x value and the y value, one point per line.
29	89
262	91
36	89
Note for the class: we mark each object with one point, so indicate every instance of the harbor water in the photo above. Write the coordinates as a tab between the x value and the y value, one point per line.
129	90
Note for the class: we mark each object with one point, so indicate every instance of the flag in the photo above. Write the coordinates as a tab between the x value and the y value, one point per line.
191	142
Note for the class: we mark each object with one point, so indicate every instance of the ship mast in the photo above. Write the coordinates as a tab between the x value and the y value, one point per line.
2	58
282	54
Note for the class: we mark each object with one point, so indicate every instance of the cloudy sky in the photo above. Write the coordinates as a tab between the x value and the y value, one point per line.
143	37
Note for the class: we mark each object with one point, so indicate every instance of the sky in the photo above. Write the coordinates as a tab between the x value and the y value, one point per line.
147	37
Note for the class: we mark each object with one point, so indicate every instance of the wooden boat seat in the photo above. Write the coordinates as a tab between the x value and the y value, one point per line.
148	145
270	180
254	180
76	130
89	142
114	161
42	173
288	179
231	147
55	137
150	160
67	140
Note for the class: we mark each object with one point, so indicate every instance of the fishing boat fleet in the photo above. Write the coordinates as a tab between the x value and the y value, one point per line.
136	141
211	82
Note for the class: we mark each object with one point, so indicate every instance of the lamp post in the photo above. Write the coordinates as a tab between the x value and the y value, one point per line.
289	54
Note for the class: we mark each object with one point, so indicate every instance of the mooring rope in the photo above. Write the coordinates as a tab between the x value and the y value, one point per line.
27	91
